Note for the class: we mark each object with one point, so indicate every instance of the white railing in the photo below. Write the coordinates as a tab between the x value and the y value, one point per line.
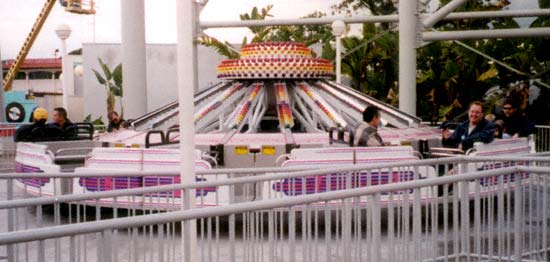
542	138
482	215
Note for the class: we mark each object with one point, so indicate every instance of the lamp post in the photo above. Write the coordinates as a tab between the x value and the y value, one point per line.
63	31
338	29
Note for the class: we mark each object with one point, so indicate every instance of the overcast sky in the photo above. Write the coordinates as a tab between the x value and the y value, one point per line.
18	16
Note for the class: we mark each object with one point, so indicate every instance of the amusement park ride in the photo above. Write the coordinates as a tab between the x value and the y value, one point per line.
85	7
275	107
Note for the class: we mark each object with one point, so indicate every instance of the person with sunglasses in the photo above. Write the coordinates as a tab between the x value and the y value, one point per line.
515	124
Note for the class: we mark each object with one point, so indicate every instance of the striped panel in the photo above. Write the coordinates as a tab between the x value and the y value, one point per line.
169	180
35	182
332	182
110	183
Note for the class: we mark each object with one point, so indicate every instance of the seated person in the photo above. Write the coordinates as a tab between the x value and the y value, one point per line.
114	121
515	124
475	129
25	132
366	133
61	121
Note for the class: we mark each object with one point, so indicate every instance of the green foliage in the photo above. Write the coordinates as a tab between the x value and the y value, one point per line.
96	122
223	49
307	34
112	81
449	75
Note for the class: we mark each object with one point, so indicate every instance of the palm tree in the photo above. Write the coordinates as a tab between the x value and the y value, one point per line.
112	80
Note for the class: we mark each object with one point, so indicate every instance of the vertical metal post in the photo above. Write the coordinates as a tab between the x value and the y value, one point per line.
134	68
186	26
11	222
338	29
2	106
65	65
338	59
518	218
408	21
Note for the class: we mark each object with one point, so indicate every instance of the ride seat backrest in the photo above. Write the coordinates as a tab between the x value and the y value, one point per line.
47	133
500	147
171	165
166	154
117	153
129	159
348	153
32	153
80	131
140	159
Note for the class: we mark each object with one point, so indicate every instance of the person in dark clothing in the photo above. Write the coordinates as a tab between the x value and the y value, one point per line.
366	133
61	121
475	129
27	133
114	121
515	124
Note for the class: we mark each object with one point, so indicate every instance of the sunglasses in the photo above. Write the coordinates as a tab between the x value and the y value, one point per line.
507	108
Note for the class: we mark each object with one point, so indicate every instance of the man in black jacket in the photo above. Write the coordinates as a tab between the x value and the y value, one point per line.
61	121
475	129
516	124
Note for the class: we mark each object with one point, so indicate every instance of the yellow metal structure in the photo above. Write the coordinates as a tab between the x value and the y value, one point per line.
73	6
14	68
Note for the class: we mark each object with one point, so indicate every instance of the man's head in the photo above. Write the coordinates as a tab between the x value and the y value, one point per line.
40	115
371	115
113	116
508	108
475	112
59	115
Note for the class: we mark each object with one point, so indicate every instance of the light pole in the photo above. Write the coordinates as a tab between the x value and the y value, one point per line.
63	31
338	29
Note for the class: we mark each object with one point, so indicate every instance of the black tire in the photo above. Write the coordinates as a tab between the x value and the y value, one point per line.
15	113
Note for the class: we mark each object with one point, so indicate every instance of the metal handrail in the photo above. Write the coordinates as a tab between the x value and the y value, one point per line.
228	181
191	214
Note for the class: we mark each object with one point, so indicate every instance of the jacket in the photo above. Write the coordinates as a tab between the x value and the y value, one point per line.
483	132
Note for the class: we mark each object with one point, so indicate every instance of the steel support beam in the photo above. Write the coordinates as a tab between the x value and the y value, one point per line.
371	19
134	61
408	22
486	34
186	74
442	13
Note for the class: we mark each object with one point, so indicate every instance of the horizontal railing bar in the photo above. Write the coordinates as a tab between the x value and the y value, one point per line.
48	200
370	19
237	171
190	214
149	173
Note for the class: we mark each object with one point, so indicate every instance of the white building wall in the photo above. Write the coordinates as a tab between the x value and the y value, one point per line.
161	74
38	85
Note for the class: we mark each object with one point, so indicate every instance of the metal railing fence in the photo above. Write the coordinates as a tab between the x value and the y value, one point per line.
310	228
542	138
506	221
7	147
7	160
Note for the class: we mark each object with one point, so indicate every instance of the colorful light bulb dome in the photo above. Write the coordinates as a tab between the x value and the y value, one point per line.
279	60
